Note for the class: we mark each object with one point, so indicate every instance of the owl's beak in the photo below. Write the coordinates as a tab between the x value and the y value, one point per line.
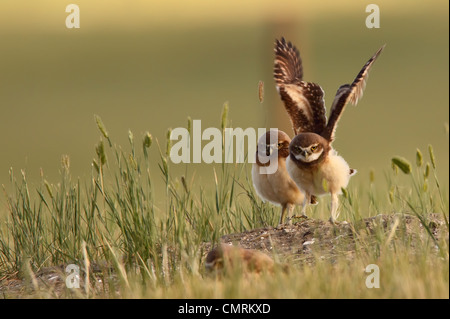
264	150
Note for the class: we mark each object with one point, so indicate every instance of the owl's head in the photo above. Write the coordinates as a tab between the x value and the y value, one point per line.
309	147
273	143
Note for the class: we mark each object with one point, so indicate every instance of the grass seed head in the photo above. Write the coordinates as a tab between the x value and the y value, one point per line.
431	152
65	162
100	149
102	128
419	158
169	141
130	137
224	116
146	143
261	91
95	164
189	125
402	164
427	171
148	139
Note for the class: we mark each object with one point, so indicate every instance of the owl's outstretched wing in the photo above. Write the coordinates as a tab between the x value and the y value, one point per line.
288	64
303	101
348	93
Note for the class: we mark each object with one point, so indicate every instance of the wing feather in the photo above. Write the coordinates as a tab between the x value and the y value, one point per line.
288	67
348	93
303	101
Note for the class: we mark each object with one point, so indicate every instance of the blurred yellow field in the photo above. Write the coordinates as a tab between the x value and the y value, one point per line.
146	66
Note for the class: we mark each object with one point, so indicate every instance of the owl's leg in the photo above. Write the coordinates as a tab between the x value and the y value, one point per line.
283	213
334	207
306	201
290	209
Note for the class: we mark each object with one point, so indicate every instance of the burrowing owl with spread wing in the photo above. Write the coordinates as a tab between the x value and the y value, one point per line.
313	164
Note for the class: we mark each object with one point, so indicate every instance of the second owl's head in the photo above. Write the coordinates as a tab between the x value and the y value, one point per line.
274	143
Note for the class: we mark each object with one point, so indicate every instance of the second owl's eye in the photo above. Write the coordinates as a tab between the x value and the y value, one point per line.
313	148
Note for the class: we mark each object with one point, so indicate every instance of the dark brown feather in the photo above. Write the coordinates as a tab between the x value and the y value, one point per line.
299	118
303	101
288	64
305	105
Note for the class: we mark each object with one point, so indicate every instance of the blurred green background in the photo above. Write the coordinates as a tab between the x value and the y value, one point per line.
148	65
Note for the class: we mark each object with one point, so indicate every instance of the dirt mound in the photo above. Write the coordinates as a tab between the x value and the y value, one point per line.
304	241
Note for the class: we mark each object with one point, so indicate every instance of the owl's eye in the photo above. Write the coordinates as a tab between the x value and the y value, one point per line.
313	148
280	144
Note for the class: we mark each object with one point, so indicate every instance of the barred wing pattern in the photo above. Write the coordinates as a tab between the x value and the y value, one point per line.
304	101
